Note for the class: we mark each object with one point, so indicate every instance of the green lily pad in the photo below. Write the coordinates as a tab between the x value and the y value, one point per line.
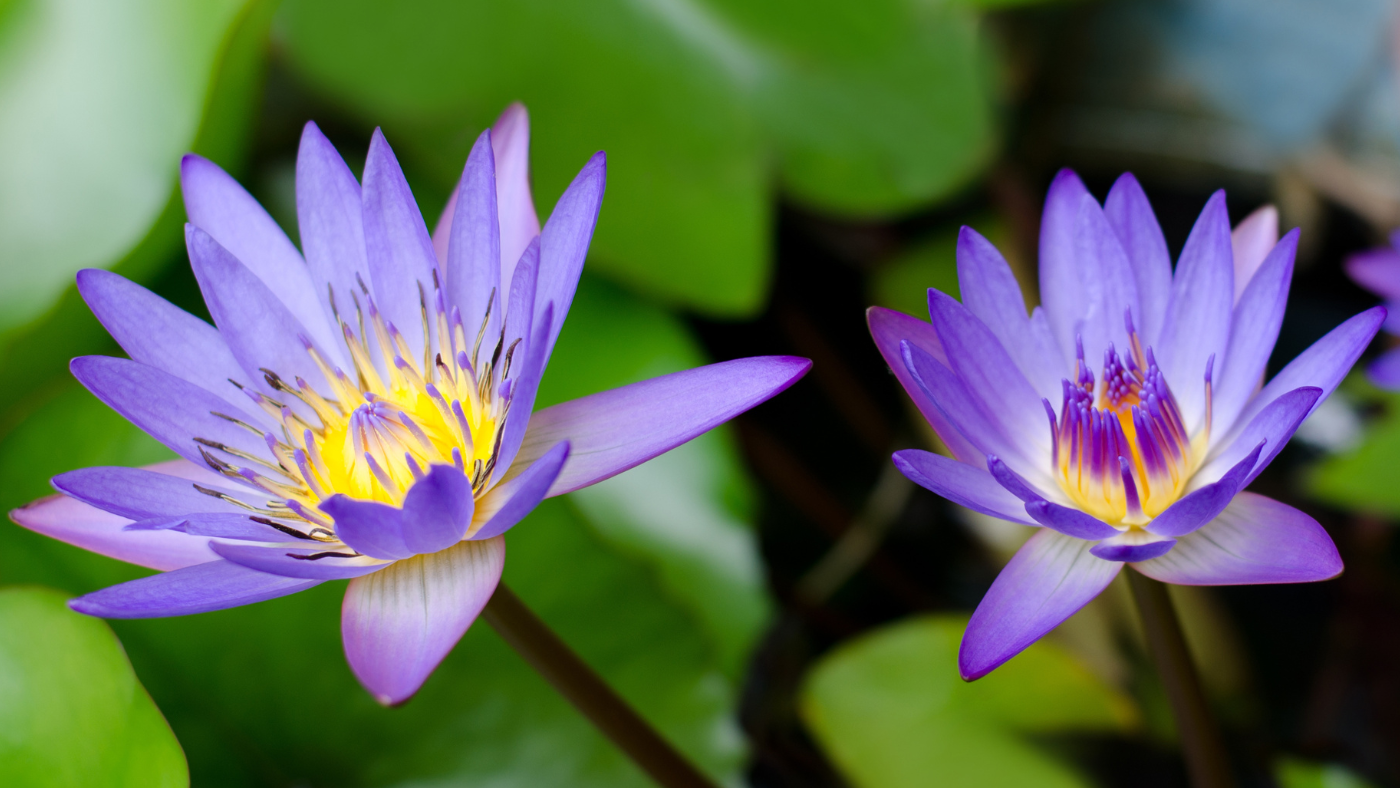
1364	478
71	709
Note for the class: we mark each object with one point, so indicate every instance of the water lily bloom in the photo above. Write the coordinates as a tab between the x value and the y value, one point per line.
1124	417
1378	270
364	411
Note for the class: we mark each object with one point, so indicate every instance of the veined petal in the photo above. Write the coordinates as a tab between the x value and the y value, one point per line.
368	527
1200	506
1250	242
399	623
1065	300
214	525
138	494
509	502
1255	540
157	333
216	204
564	242
299	562
1258	316
1049	579
1107	278
889	328
474	251
1197	325
1130	214
990	293
167	408
614	430
1273	426
329	218
398	251
201	588
960	483
72	521
510	139
437	511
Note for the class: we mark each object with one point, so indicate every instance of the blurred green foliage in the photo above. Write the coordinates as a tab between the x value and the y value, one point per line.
71	710
891	711
704	106
1364	478
1295	773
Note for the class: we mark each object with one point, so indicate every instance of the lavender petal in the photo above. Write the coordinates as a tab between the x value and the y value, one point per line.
201	588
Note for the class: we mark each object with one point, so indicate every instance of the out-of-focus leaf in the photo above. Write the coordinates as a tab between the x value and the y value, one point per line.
98	102
1364	478
71	710
701	105
903	283
262	694
686	511
891	710
1294	773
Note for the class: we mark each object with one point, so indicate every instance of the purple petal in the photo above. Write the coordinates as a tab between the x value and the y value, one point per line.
990	375
398	624
1199	507
1377	270
1197	325
1107	279
1049	579
960	483
508	503
510	138
1385	371
614	430
138	494
1130	214
1250	243
159	334
1258	315
474	252
442	232
215	585
1273	426
329	217
368	527
1126	553
437	510
1066	302
564	241
398	250
215	525
299	562
260	331
90	528
216	204
889	328
990	292
525	385
1323	365
167	408
1070	522
1255	540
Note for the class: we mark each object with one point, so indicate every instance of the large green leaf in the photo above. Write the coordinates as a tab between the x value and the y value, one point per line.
891	711
1364	478
701	104
71	710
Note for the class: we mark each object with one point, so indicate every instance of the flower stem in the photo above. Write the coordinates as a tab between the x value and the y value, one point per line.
571	676
1206	760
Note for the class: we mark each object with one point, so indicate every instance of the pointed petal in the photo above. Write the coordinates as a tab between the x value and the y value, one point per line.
215	525
368	527
1070	522
990	293
216	585
888	328
72	521
1108	282
524	387
1065	300
437	510
159	334
1197	325
474	252
508	503
1273	426
298	562
1048	580
614	430
960	483
442	232
216	204
168	409
399	623
329	217
1377	270
1258	316
564	242
1385	371
1250	243
138	494
1255	540
1130	214
510	138
1200	506
398	250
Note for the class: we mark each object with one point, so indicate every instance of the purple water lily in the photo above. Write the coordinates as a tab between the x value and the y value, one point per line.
1125	417
365	411
1378	270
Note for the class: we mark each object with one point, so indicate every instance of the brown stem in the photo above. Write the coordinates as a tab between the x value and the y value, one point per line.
1206	761
577	682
